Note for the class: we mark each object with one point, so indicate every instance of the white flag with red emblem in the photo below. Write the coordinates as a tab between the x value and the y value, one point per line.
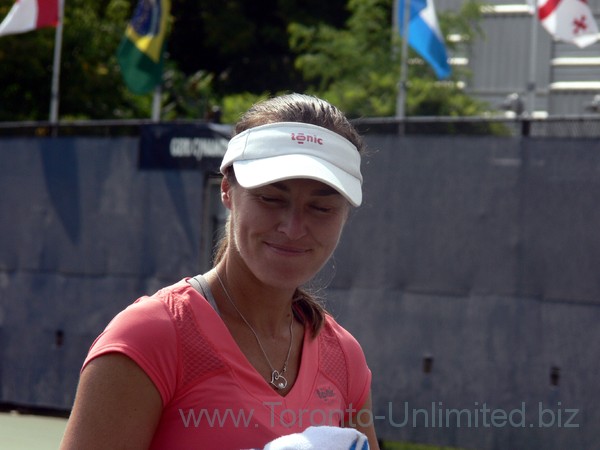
27	15
569	21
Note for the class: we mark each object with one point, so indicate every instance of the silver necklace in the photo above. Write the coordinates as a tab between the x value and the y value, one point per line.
277	378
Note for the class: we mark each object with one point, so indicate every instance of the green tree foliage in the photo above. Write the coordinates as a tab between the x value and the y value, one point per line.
90	81
245	43
187	96
358	66
25	62
214	49
227	54
353	67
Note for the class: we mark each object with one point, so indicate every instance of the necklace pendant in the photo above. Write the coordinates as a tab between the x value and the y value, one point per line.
278	380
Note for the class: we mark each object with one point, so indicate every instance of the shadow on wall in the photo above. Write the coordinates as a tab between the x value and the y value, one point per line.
62	180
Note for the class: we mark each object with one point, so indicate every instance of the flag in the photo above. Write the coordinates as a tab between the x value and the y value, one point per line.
28	15
140	53
424	34
570	21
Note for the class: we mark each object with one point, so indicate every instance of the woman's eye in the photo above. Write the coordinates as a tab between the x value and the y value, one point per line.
323	209
268	199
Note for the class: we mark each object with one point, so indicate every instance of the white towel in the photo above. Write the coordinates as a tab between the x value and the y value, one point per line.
322	437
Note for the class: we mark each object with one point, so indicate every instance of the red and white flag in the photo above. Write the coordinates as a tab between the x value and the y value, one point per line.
569	21
27	15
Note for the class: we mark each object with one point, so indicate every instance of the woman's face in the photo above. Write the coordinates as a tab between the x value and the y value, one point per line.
284	232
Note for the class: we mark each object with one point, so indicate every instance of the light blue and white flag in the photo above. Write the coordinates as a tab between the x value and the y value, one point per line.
424	34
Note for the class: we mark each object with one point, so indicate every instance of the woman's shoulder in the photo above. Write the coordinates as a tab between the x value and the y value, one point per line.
332	327
335	335
174	300
174	293
155	317
146	332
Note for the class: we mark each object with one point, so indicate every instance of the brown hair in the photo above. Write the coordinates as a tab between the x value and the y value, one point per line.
294	108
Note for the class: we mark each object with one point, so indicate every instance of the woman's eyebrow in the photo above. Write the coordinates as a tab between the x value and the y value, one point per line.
281	186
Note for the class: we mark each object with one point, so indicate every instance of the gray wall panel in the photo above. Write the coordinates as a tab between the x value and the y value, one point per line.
439	216
81	194
560	239
482	254
497	351
84	233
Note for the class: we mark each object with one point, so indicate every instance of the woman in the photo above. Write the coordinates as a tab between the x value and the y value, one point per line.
242	354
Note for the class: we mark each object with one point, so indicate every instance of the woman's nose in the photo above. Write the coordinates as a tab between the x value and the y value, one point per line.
293	223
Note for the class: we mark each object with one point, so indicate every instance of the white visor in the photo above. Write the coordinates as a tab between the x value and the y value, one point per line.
285	150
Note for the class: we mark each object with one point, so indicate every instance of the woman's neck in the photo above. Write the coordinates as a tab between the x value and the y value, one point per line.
266	308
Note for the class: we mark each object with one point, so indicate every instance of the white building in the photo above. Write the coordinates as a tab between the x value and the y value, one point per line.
566	78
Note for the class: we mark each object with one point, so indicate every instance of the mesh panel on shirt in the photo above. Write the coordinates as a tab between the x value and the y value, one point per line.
200	358
333	360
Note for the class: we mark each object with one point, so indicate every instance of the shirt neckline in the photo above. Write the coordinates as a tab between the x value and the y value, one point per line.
245	374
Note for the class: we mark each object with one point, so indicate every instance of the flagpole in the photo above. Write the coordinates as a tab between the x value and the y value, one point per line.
402	88
54	95
531	84
156	103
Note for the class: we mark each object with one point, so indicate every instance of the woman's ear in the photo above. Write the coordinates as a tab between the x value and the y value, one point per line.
226	193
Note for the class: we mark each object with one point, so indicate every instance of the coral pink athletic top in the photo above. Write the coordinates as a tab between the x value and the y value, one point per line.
212	397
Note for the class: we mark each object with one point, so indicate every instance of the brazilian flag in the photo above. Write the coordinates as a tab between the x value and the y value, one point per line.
140	53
